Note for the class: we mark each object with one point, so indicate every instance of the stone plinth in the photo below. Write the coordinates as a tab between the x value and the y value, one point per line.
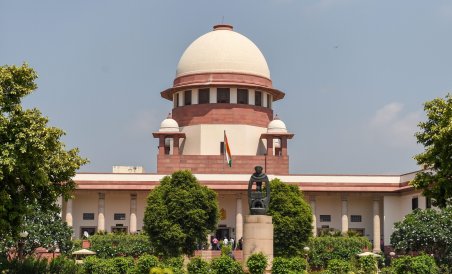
258	237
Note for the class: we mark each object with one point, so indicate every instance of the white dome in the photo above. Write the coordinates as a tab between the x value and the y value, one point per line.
223	50
276	126
169	125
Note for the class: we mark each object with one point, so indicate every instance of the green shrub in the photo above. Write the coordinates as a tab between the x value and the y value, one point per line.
289	266
198	266
298	264
367	265
337	266
226	250
176	264
65	265
25	266
123	264
160	270
117	245
324	249
88	264
423	264
280	265
225	265
146	262
257	263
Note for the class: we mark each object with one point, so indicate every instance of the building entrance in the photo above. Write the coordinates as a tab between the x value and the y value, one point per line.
223	232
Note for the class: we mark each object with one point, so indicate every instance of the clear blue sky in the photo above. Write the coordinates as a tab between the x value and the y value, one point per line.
355	72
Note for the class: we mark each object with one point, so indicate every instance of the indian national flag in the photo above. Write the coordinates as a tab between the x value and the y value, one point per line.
227	150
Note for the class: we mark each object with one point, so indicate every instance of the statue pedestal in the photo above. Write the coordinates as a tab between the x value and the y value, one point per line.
258	237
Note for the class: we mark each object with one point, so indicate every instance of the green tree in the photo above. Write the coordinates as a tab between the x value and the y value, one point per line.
35	167
180	213
425	231
46	229
436	137
292	219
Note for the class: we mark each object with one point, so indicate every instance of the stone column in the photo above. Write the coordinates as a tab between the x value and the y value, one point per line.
270	146
133	213
239	221
175	145
376	213
69	212
258	237
101	212
162	145
314	218
344	215
283	146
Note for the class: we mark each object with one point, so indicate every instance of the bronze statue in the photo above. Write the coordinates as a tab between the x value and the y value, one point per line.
258	202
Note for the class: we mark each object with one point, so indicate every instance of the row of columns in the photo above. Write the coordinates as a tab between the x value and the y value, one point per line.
344	220
101	213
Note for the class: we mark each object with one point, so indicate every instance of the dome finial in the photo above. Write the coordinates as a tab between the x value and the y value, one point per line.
223	27
276	117
170	116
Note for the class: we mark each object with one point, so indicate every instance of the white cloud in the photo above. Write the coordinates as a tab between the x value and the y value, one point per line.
394	127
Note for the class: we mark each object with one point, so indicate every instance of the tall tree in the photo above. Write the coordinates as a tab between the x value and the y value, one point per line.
180	213
292	219
35	167
436	137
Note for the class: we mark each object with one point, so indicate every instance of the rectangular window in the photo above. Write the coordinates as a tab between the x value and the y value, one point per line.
204	96
269	101
428	202
356	218
90	230
242	96
223	95
120	216
119	229
325	218
414	203
221	148
88	216
258	98
187	97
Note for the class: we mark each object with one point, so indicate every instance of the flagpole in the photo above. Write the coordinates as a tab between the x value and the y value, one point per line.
224	149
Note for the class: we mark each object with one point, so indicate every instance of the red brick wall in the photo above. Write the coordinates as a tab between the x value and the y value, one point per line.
208	164
222	114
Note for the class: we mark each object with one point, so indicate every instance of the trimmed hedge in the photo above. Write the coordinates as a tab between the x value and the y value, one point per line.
336	266
112	245
288	266
225	265
423	264
324	249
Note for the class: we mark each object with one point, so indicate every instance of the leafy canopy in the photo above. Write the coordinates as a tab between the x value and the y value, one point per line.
292	219
436	137
35	167
180	213
425	231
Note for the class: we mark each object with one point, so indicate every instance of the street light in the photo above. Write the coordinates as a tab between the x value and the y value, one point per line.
23	235
306	253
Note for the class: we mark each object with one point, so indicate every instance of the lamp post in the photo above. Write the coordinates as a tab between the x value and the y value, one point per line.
22	236
306	254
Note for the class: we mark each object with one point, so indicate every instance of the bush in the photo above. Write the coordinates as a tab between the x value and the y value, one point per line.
175	264
123	264
298	264
198	266
367	265
159	270
324	249
65	265
146	262
225	265
289	266
28	265
257	263
423	264
115	245
337	266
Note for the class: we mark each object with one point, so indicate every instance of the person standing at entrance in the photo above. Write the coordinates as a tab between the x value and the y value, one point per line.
215	243
225	241
232	242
